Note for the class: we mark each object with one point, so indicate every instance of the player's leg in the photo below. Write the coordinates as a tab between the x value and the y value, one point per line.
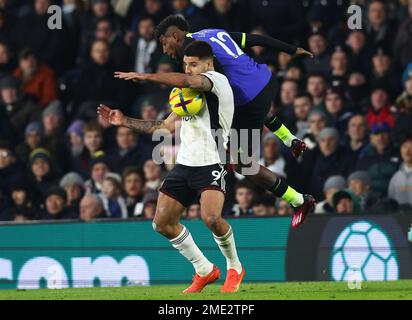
210	181
296	145
211	205
252	117
174	196
166	222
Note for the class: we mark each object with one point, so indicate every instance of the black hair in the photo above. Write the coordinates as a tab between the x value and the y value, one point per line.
26	53
200	49
105	19
317	75
169	21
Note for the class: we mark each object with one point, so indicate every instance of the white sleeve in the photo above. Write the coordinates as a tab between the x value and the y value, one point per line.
223	91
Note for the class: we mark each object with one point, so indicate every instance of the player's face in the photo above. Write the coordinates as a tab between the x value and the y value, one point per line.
170	45
195	66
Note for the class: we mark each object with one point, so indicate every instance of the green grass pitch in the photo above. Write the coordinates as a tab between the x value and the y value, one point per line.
253	291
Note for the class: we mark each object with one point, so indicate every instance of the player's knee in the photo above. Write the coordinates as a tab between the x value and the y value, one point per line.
211	220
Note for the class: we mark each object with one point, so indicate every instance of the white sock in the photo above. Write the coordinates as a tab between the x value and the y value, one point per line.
227	245
188	248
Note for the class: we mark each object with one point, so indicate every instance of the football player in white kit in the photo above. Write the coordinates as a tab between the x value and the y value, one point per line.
198	170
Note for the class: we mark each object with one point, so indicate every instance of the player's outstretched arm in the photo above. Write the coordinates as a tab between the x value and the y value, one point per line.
247	40
117	118
171	79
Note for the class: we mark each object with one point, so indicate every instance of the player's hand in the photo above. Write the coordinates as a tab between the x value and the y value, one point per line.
134	76
300	52
111	116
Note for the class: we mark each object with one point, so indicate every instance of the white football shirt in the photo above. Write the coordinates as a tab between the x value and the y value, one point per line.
199	142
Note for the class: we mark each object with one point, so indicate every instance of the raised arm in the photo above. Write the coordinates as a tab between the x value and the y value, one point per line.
117	118
171	79
247	40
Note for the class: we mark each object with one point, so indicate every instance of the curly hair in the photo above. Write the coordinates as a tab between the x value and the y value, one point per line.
169	21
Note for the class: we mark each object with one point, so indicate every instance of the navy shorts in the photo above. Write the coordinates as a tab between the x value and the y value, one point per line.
185	184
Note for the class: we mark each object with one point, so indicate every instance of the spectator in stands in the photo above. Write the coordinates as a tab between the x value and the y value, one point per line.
73	184
275	162
75	137
100	9
379	28
133	185
55	205
7	130
317	122
288	93
10	168
384	74
96	83
403	129
225	14
145	48
302	106
344	202
284	209
244	199
360	185
120	53
320	63
91	207
357	135
129	150
380	109
149	204
152	175
358	91
92	142
316	87
20	109
332	185
111	195
271	156
33	136
379	158
7	63
339	67
264	206
41	171
50	45
400	185
53	140
403	39
358	51
326	160
335	109
285	20
194	16
38	79
193	212
22	207
99	167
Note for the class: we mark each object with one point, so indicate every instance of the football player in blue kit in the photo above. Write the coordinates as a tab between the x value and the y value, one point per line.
254	88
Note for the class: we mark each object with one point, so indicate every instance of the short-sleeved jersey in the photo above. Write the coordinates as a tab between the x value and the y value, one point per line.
199	146
246	77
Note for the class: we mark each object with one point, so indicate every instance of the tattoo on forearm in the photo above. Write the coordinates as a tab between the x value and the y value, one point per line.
143	126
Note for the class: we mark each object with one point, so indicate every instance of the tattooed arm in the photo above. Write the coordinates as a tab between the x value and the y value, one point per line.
171	79
150	126
117	118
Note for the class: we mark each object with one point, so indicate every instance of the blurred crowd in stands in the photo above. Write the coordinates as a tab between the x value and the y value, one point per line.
351	104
